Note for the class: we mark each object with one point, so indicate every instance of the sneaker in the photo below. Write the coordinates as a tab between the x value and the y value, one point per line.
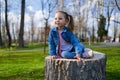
88	53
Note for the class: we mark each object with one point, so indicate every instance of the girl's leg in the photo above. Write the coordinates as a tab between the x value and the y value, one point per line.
88	53
68	55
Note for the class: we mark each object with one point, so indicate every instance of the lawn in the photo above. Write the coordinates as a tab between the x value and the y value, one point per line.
113	61
29	65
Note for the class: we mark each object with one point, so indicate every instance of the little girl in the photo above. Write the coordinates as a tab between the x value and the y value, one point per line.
62	42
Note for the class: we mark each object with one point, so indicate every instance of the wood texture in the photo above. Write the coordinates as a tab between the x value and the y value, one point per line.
72	69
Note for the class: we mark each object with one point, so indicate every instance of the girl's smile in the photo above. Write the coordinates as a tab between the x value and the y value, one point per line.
59	20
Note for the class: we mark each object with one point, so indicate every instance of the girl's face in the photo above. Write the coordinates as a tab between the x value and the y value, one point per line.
60	20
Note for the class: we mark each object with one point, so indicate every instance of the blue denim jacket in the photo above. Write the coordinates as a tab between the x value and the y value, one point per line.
68	36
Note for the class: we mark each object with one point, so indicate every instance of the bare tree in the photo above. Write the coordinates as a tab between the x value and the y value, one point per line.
1	41
32	28
116	21
109	13
93	29
86	19
13	32
7	25
38	34
3	32
17	30
115	33
60	4
101	4
47	7
21	33
79	21
117	5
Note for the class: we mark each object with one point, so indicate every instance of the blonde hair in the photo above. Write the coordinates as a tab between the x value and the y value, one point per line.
70	20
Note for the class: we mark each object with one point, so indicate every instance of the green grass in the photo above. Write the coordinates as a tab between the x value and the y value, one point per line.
27	46
30	65
22	65
113	61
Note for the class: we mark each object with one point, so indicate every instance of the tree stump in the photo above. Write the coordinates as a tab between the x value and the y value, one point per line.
72	69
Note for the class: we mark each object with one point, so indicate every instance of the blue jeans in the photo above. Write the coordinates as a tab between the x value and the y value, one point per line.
68	55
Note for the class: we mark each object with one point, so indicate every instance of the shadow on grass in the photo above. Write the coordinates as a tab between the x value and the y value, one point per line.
113	75
23	59
37	74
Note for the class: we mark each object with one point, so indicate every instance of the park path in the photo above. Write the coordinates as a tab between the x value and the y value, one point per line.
30	50
106	45
39	49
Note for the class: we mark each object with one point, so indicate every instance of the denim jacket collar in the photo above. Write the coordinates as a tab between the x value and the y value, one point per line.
64	29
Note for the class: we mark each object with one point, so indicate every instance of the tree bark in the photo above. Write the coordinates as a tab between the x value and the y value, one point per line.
46	25
1	42
7	25
21	33
117	5
72	69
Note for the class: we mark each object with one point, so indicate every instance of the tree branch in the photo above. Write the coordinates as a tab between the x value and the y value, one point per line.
116	21
117	5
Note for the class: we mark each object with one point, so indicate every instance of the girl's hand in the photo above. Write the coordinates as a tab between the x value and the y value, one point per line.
53	57
78	57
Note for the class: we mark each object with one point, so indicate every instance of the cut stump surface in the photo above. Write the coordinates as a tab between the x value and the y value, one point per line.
72	69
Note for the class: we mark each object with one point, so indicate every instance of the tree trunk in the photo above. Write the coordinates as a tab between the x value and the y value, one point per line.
1	42
117	5
21	33
71	69
7	25
46	25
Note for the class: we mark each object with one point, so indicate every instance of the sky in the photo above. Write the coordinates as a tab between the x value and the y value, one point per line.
34	7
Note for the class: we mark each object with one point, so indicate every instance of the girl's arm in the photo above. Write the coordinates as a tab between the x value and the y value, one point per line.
52	47
79	48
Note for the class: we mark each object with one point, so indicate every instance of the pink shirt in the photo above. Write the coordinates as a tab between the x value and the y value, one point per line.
63	45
